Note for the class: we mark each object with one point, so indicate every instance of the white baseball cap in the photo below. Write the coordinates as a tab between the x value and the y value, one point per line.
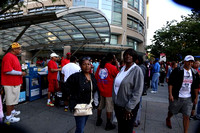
188	58
54	55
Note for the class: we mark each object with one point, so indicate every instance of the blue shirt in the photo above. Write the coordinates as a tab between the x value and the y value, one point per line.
156	68
169	72
95	65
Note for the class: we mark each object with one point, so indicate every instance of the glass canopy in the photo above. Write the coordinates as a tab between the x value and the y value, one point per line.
73	26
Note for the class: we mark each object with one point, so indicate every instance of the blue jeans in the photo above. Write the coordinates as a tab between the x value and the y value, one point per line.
80	123
198	108
154	82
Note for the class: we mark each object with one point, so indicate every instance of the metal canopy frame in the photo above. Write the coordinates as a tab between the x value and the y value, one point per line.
73	26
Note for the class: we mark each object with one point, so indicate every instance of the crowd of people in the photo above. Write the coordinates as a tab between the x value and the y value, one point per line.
117	87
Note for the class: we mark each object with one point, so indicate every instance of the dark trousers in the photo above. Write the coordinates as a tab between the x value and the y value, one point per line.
125	126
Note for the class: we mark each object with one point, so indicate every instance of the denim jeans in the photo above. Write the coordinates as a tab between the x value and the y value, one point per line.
154	82
138	117
198	107
80	123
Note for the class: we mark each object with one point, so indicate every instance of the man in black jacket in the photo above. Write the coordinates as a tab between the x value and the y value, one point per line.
183	91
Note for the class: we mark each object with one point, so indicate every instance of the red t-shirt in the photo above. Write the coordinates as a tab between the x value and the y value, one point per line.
64	62
52	65
10	62
105	78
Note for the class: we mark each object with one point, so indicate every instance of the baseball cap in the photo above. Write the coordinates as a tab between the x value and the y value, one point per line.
188	58
54	55
68	53
15	45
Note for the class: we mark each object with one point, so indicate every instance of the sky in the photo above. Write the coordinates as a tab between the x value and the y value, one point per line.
161	11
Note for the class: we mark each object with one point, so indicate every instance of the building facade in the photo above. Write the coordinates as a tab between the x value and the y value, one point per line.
127	18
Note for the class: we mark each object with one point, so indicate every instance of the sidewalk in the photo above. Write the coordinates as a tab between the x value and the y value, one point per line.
36	117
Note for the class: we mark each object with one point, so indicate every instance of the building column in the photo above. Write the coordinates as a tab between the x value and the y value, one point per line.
25	56
66	50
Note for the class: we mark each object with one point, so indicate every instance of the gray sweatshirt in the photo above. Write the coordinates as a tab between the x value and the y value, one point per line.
130	89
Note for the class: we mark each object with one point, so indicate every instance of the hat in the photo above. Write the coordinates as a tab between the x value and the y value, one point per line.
68	53
15	45
54	55
188	58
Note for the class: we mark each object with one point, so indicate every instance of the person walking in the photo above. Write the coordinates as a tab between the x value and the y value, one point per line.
183	90
174	65
197	116
52	78
80	85
140	63
66	60
155	77
127	90
162	74
11	79
105	75
196	67
68	70
95	65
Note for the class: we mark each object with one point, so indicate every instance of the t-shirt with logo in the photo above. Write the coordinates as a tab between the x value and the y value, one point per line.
52	65
186	85
10	62
105	77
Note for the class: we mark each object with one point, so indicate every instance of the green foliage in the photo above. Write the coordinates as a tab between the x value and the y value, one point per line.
178	39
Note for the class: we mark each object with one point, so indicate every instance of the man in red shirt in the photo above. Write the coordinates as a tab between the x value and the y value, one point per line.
11	79
66	60
52	77
105	74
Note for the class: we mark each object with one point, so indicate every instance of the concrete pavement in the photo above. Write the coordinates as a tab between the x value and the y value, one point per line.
36	117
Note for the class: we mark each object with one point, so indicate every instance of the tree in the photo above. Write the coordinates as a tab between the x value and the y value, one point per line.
178	39
6	5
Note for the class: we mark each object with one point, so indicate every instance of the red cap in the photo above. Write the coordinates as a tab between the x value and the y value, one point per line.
68	53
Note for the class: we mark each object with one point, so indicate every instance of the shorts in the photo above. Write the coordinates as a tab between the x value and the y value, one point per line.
53	85
182	105
12	94
106	102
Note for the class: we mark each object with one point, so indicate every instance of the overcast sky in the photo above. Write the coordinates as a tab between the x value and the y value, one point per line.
161	11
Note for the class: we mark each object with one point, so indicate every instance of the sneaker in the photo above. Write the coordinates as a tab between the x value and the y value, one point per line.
109	126
152	91
12	120
50	104
16	113
168	123
99	122
66	109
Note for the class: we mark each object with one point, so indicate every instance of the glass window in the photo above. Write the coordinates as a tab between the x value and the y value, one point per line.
92	3
117	12
136	4
113	39
135	24
79	3
130	2
142	7
133	43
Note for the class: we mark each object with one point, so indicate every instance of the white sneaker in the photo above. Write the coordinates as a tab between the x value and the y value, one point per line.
16	113
12	119
153	91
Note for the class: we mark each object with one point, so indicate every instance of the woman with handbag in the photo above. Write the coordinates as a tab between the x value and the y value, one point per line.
82	86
